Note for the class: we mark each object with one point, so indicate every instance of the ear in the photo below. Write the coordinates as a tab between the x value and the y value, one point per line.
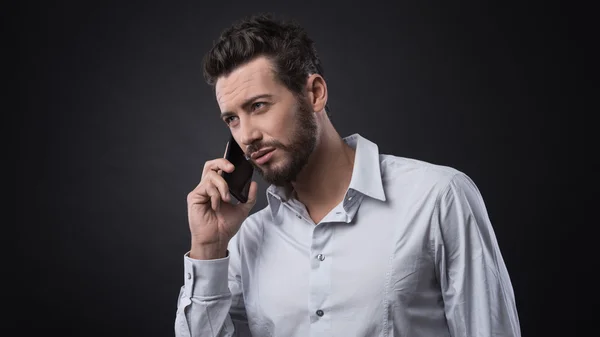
316	90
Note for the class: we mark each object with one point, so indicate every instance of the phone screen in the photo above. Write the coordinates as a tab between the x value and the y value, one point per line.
239	180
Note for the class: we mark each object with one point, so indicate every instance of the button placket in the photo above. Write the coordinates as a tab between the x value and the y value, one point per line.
320	273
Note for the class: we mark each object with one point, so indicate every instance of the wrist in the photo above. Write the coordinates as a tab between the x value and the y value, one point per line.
208	251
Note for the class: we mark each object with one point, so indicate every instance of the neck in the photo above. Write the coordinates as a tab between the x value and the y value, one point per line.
324	180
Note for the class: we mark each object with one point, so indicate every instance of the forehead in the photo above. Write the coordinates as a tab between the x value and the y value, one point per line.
253	78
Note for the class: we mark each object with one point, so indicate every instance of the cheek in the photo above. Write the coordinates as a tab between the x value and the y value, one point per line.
276	125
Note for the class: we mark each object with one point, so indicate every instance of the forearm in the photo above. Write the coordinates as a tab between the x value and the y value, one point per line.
205	300
479	301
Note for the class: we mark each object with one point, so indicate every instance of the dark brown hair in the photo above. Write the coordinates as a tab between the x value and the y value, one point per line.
285	43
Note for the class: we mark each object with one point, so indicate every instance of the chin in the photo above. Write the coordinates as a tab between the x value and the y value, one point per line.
276	173
272	169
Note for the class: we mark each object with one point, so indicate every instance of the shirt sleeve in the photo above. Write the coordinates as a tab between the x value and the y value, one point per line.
210	303
475	284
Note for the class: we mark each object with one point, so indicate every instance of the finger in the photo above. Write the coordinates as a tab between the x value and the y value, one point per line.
216	165
220	183
199	195
215	197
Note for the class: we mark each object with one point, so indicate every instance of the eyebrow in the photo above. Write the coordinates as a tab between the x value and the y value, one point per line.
246	103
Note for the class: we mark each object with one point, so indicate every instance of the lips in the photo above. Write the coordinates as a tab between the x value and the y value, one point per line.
263	156
260	153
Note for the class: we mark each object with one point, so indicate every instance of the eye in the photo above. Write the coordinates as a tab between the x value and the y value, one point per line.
229	120
257	105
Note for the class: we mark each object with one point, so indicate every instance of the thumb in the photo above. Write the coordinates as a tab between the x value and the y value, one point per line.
252	193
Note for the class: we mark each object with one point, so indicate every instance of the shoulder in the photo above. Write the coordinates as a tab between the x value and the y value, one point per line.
404	171
449	192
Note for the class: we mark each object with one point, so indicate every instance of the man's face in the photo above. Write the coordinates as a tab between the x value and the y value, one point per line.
275	128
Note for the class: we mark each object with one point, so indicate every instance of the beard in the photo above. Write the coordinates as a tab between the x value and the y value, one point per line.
303	140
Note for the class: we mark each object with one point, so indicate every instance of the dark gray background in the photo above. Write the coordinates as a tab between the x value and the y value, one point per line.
115	124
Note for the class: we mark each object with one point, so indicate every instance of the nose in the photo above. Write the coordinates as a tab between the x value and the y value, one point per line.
248	132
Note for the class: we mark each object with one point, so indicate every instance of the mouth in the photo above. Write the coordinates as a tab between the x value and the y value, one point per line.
262	156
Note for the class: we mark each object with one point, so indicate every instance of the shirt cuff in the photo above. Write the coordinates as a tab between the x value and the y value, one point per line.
205	278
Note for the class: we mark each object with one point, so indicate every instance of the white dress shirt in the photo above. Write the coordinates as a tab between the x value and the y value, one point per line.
409	252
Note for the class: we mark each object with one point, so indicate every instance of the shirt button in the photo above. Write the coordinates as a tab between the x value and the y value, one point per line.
189	276
298	216
319	312
321	257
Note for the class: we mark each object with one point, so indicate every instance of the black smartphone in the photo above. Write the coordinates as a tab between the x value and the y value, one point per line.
239	180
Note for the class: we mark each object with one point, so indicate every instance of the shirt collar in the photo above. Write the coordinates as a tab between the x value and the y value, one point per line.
366	174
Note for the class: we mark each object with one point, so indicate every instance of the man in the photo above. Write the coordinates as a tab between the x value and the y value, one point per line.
352	242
